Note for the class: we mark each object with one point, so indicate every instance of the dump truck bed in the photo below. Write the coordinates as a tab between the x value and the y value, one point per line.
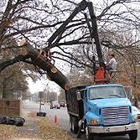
74	106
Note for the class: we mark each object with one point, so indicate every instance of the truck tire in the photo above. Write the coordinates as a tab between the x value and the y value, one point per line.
70	123
74	124
133	135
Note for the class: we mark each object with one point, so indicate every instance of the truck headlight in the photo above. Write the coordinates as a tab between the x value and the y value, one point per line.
94	122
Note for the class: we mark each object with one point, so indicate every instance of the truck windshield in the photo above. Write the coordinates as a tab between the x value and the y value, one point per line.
106	92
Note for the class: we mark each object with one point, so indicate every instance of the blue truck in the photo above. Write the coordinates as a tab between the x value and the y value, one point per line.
98	109
102	109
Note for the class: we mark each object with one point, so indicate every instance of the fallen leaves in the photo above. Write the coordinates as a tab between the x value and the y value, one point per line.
51	131
7	131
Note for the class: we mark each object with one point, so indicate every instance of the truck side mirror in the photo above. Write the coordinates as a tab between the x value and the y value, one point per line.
78	93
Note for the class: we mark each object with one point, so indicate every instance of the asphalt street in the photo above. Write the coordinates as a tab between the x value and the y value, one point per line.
63	118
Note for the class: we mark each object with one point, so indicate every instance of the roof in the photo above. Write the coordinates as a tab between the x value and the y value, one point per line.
103	85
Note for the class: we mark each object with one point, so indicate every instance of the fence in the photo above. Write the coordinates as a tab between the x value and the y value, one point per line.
9	107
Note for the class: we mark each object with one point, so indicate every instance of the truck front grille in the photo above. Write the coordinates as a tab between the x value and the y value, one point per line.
115	115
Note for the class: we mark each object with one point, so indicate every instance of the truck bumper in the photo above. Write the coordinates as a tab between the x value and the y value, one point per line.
113	129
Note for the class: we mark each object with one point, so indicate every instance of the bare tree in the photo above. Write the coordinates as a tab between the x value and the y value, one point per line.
118	25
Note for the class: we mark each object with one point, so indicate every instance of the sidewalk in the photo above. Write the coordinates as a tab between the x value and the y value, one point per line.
34	128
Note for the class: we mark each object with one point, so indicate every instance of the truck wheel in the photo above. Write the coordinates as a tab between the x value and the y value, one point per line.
70	123
74	125
133	135
88	135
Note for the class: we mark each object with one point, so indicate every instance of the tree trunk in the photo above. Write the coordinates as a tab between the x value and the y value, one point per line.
44	63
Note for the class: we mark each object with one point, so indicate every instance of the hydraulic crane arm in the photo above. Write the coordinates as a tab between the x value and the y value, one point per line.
93	30
98	74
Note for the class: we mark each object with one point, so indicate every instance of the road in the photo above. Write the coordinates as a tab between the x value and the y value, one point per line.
62	115
63	118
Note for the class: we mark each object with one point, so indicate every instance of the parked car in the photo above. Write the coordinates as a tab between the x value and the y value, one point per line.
55	104
62	104
58	106
52	106
137	110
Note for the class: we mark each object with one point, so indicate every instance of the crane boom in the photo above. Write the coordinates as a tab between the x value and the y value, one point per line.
99	75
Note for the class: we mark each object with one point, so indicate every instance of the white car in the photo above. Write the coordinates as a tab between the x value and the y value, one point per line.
54	104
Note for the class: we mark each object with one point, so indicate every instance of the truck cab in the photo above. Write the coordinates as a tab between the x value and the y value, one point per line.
102	110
